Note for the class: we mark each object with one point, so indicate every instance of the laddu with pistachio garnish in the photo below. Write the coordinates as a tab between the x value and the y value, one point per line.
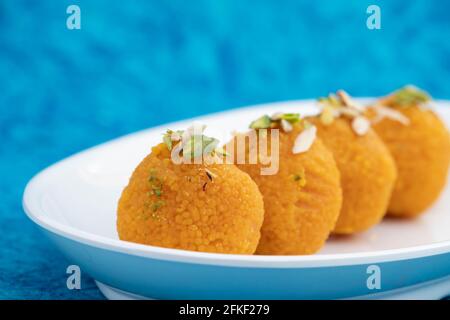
367	168
420	145
192	205
302	196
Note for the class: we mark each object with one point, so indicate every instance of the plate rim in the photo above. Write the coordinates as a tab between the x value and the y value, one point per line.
218	259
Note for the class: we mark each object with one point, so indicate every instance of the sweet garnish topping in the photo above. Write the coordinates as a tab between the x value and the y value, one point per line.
360	125
389	113
342	104
281	120
300	177
194	142
304	140
409	96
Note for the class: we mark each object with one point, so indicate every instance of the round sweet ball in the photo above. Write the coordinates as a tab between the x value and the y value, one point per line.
420	144
199	207
367	170
302	199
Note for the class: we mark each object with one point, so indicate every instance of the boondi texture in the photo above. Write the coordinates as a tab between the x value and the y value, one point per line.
421	151
302	201
367	170
191	212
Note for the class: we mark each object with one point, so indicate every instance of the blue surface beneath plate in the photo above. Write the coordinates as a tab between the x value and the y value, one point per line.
137	64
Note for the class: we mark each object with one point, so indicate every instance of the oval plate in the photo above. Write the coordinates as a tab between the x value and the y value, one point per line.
75	200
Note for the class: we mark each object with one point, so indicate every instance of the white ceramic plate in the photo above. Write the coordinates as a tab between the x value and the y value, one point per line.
74	202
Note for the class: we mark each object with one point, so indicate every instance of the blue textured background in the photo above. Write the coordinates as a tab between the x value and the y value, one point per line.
135	64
